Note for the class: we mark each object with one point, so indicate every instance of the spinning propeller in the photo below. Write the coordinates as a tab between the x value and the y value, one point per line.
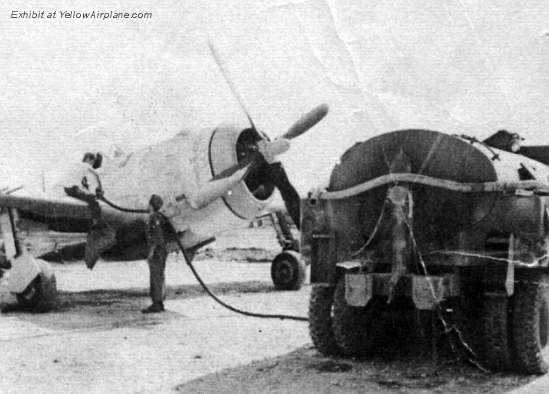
266	152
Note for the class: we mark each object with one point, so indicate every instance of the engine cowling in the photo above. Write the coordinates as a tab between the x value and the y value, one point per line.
180	166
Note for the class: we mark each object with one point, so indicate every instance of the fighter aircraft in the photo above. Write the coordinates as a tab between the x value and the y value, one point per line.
210	180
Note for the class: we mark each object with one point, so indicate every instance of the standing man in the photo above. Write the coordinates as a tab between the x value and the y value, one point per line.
81	181
158	234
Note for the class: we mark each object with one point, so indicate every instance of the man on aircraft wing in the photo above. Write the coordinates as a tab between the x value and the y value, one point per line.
81	181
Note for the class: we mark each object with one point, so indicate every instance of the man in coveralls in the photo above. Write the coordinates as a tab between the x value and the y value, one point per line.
157	233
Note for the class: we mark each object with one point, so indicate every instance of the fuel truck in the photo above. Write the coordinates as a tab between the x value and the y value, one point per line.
418	222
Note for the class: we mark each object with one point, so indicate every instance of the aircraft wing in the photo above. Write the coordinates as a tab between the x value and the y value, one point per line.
47	206
69	215
49	221
60	211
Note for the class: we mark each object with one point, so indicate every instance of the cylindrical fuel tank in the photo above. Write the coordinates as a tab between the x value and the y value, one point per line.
181	166
437	213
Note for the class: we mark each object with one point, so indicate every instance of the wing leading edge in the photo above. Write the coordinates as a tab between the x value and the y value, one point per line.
48	209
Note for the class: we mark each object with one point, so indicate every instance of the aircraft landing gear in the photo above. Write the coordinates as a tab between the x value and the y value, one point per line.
31	280
288	268
41	294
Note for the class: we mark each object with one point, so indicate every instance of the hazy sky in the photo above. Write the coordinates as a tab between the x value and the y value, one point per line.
459	66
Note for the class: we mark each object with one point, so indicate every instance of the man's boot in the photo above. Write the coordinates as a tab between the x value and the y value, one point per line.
156	307
101	237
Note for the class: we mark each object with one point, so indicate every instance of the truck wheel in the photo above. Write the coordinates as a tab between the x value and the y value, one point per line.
41	294
530	326
320	320
495	346
288	271
350	324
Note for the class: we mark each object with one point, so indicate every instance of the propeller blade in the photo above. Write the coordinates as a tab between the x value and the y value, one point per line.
270	150
216	188
306	121
279	178
227	78
251	160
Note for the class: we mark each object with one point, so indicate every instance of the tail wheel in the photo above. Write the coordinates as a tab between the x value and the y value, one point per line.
288	271
41	294
320	320
530	326
351	325
495	347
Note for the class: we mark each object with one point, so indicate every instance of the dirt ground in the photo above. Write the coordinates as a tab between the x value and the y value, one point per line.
98	341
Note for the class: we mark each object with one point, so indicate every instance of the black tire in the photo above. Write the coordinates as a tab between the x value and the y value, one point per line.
41	295
320	320
351	325
530	325
288	271
494	332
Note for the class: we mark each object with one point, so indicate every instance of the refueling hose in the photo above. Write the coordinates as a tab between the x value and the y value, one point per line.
188	261
119	208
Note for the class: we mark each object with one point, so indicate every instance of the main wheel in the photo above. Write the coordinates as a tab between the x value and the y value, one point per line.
351	325
41	294
320	320
530	325
288	271
495	346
